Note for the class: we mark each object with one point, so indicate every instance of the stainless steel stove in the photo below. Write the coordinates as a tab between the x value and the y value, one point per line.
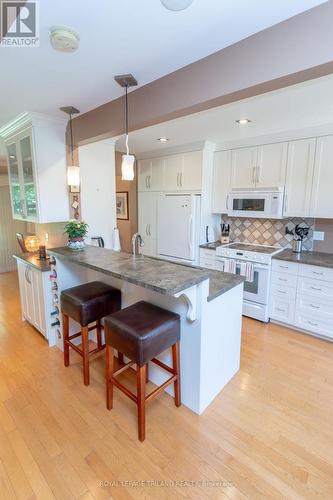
256	292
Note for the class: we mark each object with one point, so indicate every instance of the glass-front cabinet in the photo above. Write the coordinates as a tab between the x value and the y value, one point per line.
22	177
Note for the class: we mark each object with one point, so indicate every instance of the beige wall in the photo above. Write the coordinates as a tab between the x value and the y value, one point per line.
127	227
325	225
293	51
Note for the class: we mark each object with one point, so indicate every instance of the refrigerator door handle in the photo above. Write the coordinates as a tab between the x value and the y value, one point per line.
189	232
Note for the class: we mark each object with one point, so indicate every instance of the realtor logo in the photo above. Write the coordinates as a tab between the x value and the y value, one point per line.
19	23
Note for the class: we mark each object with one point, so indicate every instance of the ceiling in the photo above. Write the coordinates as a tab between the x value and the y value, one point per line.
297	107
124	36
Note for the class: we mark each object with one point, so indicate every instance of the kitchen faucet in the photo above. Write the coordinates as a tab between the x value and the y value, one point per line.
136	237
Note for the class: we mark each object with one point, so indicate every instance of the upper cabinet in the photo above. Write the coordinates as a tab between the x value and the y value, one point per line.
150	175
178	172
37	168
323	178
221	182
300	169
272	163
259	167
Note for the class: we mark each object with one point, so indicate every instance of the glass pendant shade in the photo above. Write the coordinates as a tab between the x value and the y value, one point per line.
73	176
176	4
127	167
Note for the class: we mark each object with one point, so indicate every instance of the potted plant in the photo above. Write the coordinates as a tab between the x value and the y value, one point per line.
76	231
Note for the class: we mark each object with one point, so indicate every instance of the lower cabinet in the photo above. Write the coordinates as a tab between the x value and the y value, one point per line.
147	223
35	298
302	296
207	258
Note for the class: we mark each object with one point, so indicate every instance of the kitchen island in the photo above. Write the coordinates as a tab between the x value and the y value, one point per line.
209	304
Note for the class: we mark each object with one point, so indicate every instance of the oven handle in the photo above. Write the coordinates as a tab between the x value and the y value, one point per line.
238	261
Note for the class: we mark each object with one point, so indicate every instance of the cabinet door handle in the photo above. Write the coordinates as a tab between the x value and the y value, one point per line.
283	267
314	306
282	279
227	202
286	203
281	291
316	289
312	323
254	175
149	183
181	179
178	179
280	310
149	229
318	273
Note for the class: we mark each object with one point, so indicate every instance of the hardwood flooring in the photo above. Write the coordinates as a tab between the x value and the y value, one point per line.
269	434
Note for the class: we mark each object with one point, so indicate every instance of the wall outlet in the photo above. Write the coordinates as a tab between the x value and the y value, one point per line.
318	235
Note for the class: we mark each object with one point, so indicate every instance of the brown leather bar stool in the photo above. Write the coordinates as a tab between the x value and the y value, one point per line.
141	332
86	304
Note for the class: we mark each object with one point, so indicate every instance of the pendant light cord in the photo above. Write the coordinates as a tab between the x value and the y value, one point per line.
126	118
71	129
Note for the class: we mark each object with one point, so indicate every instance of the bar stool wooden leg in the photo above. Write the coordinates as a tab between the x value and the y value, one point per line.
141	394
99	333
147	373
65	325
109	372
85	353
120	358
175	361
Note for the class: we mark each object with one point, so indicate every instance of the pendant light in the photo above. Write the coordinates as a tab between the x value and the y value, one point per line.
128	160
176	5
73	171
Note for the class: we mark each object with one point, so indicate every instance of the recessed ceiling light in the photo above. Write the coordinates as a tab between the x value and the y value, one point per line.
163	139
176	4
243	121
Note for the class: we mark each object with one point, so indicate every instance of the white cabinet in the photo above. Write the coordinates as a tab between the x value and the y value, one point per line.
300	168
221	182
191	178
283	291
37	168
272	163
150	175
173	172
179	172
147	222
244	164
301	296
207	258
32	292
323	178
259	167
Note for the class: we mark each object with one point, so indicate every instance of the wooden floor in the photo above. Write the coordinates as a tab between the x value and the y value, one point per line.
269	434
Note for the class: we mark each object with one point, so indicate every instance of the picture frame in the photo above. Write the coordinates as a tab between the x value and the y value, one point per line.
122	205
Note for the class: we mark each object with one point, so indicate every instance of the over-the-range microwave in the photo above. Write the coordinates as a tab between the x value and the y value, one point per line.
264	204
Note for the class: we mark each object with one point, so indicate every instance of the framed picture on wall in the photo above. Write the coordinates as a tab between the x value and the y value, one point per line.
122	205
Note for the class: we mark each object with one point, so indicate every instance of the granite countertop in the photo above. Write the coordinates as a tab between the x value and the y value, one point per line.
320	259
211	246
159	275
34	261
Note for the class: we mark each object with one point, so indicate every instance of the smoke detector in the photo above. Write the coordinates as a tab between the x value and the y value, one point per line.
64	39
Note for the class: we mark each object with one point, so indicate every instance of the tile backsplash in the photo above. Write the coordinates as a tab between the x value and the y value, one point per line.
267	231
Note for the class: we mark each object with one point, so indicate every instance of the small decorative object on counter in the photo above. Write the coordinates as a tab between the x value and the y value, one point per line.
76	231
42	252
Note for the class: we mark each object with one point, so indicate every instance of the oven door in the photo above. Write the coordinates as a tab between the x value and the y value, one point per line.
257	290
